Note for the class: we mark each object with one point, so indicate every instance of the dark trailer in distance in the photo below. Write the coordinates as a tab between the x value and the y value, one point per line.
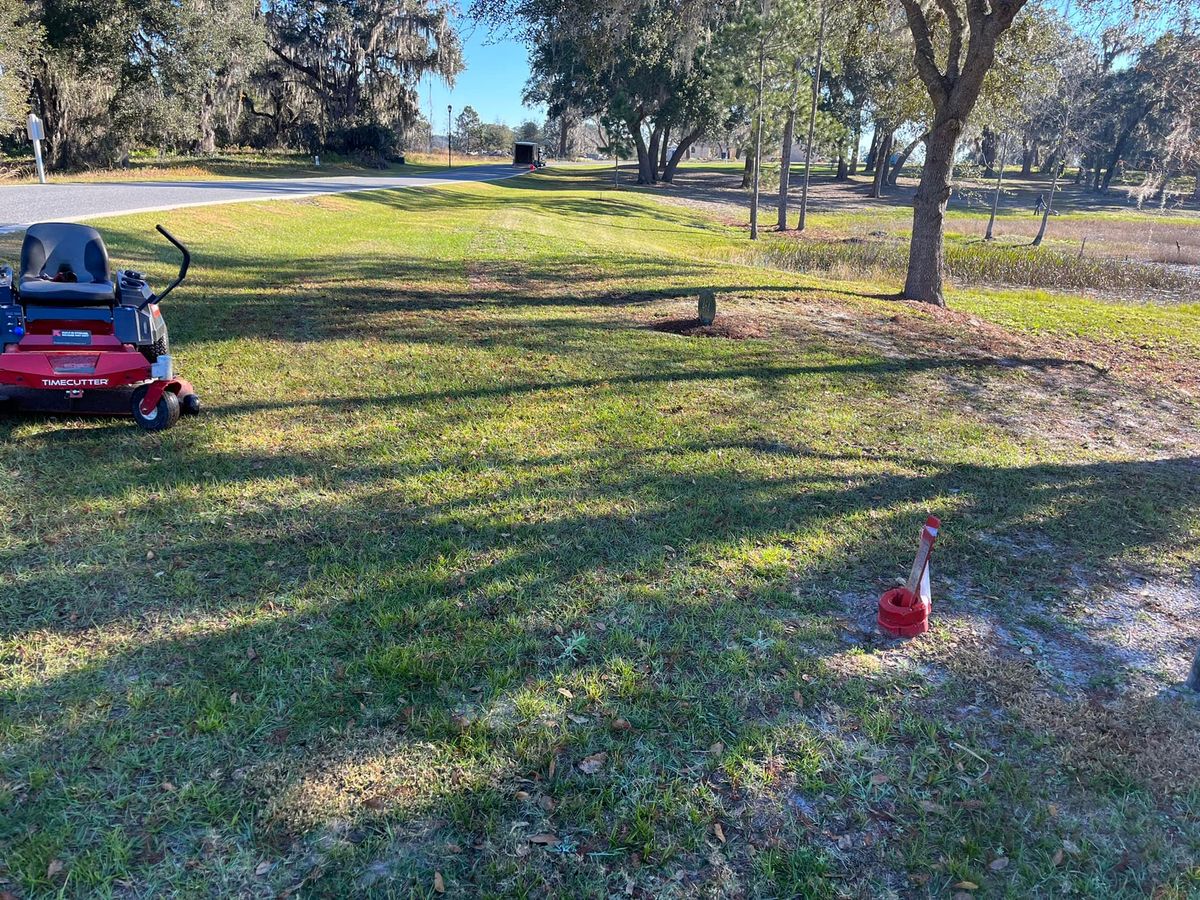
527	153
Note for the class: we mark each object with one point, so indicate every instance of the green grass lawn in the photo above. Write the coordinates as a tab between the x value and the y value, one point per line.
469	579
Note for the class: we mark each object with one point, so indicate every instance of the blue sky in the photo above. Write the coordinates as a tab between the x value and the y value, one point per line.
497	69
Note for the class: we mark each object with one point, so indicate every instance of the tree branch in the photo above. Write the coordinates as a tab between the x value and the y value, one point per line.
954	22
923	53
301	67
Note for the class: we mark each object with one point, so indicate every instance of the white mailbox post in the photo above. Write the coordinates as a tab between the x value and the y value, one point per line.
37	134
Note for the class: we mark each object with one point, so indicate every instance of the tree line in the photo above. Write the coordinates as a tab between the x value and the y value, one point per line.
111	77
1112	83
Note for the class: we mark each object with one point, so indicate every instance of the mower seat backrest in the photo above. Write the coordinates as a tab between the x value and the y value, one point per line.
76	256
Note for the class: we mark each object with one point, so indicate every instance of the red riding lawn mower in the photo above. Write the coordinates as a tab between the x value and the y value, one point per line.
67	328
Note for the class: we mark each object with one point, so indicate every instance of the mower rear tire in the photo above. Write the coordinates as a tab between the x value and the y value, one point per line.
152	352
164	415
190	404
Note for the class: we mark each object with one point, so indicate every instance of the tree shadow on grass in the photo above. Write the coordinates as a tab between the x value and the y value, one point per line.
418	604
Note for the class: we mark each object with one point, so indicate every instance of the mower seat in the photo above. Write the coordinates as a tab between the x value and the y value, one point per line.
75	255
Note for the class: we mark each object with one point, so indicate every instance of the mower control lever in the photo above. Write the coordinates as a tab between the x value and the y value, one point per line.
183	269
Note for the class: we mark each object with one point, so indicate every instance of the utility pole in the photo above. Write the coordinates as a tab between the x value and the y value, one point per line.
812	117
449	136
762	64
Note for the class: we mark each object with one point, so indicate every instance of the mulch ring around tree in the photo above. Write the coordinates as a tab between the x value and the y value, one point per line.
734	328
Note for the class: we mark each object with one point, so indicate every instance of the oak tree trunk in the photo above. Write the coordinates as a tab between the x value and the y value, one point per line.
883	152
854	148
656	135
645	162
872	151
682	152
1028	158
925	254
903	160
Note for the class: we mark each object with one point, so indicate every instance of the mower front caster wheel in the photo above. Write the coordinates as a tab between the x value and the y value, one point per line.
162	417
190	404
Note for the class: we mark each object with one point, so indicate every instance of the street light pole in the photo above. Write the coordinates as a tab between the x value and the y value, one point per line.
449	136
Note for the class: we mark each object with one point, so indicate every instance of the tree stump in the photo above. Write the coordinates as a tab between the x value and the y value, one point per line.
707	307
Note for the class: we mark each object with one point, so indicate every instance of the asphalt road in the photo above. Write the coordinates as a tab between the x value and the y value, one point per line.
22	205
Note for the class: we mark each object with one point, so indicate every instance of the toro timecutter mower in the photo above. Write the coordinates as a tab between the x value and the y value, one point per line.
69	328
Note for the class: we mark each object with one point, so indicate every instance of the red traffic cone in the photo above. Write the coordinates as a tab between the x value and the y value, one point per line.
904	611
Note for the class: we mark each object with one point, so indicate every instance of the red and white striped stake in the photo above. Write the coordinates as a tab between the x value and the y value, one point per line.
904	611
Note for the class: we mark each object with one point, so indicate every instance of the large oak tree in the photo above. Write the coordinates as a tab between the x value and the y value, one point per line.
954	48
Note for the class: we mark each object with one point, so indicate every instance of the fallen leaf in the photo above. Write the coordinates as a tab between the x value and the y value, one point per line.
453	848
719	832
56	866
251	654
717	749
578	720
879	778
522	795
544	838
553	767
930	807
168	787
966	886
1059	856
1071	847
999	864
262	868
590	765
798	697
620	725
376	803
547	803
439	883
149	554
566	693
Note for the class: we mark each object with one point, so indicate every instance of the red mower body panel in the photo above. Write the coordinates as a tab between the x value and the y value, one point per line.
100	365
